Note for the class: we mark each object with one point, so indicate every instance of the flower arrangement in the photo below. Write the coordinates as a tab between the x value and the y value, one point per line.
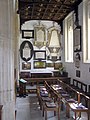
61	69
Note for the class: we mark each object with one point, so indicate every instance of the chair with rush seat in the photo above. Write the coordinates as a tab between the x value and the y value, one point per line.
53	104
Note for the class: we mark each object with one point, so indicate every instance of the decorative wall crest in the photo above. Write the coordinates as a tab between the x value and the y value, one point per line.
54	41
26	50
40	36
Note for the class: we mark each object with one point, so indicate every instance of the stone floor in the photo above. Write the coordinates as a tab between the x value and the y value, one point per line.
28	109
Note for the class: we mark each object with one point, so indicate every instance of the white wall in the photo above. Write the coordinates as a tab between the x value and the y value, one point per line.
29	25
84	68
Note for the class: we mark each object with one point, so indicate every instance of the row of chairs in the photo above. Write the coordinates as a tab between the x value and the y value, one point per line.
75	93
48	100
70	100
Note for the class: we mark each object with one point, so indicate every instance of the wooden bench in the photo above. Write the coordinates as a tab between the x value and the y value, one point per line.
80	86
79	107
88	93
40	75
75	92
37	81
24	75
72	104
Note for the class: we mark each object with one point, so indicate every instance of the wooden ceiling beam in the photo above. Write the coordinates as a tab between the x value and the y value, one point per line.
55	10
32	11
40	2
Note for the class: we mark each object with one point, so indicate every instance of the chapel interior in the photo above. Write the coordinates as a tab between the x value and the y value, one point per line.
45	59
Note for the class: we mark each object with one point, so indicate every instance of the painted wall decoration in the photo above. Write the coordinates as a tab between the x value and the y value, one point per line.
39	64
77	39
77	73
26	50
27	34
77	60
40	55
40	36
50	64
26	66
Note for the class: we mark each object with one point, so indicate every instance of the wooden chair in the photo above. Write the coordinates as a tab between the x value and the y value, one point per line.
40	95
53	105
